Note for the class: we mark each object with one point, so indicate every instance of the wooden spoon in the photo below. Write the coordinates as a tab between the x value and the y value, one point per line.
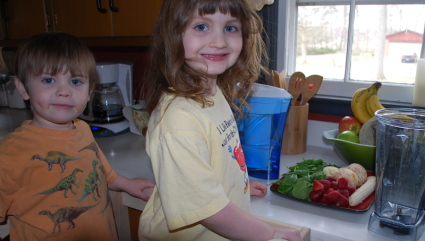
310	88
295	86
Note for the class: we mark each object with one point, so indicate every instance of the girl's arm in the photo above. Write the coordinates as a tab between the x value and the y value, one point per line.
134	186
232	222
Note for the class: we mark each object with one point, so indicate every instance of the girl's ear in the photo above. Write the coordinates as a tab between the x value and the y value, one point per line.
21	88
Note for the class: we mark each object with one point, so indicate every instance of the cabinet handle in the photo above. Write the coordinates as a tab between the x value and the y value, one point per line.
112	7
99	7
3	10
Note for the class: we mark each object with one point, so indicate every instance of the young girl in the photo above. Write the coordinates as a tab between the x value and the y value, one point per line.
205	53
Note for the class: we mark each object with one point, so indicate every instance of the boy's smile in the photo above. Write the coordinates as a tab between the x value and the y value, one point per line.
56	100
213	42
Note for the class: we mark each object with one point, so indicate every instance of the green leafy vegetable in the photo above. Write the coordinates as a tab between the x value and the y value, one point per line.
298	181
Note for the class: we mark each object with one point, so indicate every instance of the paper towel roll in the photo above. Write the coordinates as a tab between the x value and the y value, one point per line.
419	90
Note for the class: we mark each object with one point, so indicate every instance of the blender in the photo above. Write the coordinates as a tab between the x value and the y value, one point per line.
400	172
112	92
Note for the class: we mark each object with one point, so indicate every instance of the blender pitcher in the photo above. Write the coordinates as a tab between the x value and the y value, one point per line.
400	173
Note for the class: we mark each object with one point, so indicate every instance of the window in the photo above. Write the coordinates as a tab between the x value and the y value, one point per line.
353	43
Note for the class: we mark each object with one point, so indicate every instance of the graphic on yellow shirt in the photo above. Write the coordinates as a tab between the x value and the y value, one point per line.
91	184
66	214
240	158
56	157
64	184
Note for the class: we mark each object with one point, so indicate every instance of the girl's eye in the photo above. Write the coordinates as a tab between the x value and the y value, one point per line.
230	29
48	80
201	27
76	82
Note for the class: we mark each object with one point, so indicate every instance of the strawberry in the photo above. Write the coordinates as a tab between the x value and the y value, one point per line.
324	200
334	185
333	196
342	183
331	178
326	183
344	192
317	186
316	196
329	190
351	190
342	202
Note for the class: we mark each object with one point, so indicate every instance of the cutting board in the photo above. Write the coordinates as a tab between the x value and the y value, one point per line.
305	232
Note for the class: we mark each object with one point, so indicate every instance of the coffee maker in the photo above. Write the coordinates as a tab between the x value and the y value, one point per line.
112	92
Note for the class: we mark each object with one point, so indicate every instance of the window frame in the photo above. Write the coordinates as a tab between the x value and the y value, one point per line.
287	39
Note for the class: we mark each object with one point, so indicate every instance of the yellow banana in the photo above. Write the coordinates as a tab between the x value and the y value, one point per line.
369	110
358	105
374	104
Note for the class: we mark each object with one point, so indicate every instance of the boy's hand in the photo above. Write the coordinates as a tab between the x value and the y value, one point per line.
134	186
257	189
137	185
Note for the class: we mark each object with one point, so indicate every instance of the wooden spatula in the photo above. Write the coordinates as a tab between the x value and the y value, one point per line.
295	86
310	88
282	80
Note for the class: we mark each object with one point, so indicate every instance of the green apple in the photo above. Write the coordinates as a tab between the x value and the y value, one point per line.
350	136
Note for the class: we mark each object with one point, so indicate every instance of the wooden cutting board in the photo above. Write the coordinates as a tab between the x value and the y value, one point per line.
305	232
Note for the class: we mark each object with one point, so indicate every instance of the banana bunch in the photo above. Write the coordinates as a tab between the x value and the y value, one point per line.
365	102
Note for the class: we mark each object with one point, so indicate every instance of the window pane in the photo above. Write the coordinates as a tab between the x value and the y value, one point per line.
387	41
322	40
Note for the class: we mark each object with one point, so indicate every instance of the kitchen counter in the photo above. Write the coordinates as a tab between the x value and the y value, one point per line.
127	155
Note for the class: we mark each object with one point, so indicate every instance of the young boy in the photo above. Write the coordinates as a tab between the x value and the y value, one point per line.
54	179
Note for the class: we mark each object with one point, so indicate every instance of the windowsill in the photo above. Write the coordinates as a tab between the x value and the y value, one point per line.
332	109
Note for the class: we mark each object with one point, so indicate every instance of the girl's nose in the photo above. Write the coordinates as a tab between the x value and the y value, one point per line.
218	40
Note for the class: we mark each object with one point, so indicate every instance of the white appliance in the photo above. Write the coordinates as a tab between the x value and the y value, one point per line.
113	91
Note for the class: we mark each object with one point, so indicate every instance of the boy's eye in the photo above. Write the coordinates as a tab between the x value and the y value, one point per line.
48	80
201	27
230	29
76	82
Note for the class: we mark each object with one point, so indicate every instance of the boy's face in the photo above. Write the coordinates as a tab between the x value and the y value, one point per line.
215	39
56	100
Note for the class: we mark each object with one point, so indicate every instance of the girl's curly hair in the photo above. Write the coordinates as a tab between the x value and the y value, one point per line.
168	72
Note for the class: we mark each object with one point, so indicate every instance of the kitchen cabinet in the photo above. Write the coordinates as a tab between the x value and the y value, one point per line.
102	18
24	18
98	22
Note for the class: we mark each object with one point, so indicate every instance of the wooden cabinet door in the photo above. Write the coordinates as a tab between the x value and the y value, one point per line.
135	17
82	18
25	18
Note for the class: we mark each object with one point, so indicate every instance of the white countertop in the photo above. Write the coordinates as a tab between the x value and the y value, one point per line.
126	154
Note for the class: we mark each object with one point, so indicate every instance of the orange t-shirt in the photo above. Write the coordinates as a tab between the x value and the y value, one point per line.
54	185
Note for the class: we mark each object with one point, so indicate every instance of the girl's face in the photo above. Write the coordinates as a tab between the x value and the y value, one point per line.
56	100
212	43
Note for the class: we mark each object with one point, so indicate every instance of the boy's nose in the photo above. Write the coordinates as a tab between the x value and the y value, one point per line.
218	40
63	91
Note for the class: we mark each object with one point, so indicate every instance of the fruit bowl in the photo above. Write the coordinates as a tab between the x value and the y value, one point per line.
352	152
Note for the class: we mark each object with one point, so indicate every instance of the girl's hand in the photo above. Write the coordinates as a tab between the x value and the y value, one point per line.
290	234
257	189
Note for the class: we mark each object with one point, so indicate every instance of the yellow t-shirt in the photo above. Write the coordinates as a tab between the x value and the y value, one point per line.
53	185
198	165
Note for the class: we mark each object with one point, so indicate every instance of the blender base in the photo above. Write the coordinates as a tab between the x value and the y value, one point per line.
394	229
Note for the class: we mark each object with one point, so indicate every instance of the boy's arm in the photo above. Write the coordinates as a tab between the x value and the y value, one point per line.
134	186
232	222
